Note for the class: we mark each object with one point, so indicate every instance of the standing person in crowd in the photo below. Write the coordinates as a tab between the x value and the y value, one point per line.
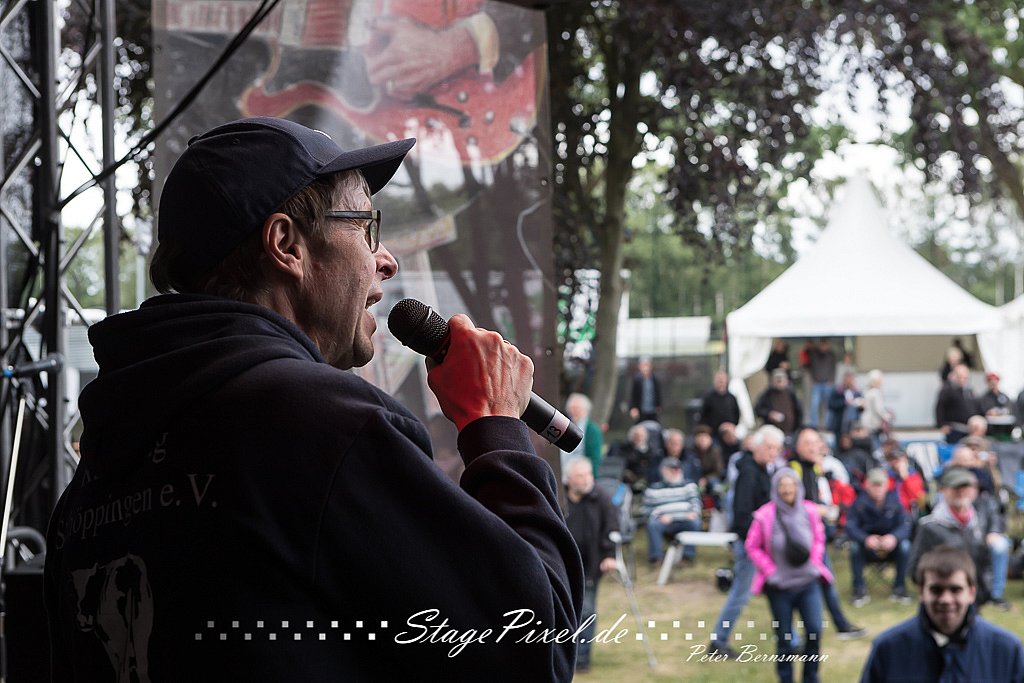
786	543
645	393
963	520
955	404
994	403
823	376
954	357
719	409
591	518
948	640
751	490
845	405
876	417
578	406
778	357
808	458
778	405
670	506
879	530
270	485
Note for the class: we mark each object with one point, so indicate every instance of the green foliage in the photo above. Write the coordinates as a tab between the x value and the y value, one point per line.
85	277
670	277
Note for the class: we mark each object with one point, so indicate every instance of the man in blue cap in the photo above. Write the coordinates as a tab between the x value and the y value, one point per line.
244	508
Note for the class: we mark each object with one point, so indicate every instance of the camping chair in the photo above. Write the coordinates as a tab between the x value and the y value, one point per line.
622	498
927	456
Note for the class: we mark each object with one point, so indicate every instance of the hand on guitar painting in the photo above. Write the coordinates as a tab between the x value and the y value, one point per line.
406	58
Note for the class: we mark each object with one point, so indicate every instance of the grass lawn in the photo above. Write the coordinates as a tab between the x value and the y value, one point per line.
681	615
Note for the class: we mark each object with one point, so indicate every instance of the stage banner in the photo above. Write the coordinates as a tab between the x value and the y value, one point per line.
468	216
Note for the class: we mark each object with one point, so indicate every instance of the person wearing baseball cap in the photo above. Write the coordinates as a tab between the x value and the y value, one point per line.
879	531
963	520
247	509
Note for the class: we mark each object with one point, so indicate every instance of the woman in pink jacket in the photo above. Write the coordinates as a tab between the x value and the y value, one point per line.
786	543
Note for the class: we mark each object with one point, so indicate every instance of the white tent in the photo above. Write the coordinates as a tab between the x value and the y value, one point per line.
663	337
857	280
1007	345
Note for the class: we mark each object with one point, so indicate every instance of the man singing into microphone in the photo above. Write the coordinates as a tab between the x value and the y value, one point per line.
244	509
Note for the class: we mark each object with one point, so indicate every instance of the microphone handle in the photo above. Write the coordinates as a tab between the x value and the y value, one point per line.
552	425
420	328
540	416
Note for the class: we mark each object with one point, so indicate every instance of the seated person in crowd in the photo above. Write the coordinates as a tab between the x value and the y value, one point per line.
729	441
712	465
670	506
886	447
854	452
636	451
842	491
908	482
985	454
977	425
879	530
675	447
968	456
963	519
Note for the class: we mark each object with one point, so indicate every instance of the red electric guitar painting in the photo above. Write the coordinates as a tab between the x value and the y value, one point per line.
482	119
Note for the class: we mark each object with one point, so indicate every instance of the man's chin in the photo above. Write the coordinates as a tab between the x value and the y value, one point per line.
361	355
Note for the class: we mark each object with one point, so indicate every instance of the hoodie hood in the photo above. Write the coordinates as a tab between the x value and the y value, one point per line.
175	350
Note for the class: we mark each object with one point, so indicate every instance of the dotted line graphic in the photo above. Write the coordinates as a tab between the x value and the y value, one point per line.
262	630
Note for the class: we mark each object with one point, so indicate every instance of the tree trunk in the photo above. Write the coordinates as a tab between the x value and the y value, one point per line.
623	146
609	304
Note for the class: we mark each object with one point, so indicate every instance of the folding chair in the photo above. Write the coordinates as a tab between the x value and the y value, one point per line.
622	498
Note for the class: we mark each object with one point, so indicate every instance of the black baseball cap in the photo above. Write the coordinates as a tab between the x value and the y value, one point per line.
229	179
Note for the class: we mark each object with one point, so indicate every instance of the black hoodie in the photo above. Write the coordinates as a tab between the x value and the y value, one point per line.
244	511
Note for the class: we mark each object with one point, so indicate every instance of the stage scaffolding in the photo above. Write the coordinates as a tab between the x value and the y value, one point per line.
56	65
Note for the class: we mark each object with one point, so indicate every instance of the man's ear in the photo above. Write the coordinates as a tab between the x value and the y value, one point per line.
285	246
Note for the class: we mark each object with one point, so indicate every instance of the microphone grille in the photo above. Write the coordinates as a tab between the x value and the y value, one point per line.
417	326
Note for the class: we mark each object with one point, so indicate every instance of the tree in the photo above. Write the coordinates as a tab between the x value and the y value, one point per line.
721	87
728	92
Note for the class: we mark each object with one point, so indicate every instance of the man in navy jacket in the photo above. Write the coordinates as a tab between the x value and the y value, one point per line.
947	641
879	530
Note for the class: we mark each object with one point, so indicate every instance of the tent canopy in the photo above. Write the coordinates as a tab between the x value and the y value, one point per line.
857	280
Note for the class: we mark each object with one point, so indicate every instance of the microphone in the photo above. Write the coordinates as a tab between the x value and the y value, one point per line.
50	363
420	328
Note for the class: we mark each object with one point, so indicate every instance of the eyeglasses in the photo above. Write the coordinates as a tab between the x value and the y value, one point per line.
372	227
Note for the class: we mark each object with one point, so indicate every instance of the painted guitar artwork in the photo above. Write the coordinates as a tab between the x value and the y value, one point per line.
317	59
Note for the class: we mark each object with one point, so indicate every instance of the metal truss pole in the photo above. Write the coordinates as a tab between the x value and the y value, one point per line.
50	80
51	233
111	227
